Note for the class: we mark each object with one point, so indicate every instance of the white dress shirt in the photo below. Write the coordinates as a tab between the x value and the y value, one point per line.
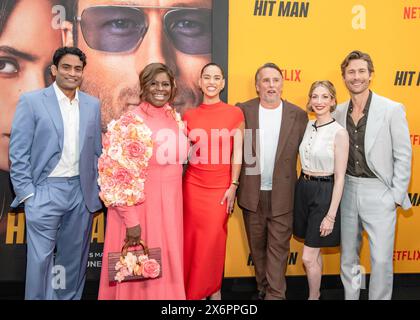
68	166
270	124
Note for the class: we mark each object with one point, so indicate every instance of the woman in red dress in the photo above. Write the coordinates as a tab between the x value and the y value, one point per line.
215	130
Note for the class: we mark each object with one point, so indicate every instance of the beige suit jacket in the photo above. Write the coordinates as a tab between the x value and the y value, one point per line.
387	145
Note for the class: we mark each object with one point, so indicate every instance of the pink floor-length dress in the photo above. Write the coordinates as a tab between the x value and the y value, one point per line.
160	217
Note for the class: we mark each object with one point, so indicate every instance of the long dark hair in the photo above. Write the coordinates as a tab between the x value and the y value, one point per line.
212	64
6	8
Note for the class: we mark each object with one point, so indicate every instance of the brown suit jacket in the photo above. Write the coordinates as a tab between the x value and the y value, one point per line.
293	125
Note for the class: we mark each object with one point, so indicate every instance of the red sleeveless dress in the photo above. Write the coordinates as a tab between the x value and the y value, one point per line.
206	180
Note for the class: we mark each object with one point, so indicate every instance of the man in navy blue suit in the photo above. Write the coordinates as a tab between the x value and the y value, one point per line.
54	147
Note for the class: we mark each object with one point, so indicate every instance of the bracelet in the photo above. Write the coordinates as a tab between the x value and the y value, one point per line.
329	218
235	182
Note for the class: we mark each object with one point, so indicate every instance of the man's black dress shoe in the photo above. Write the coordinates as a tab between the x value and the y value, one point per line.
260	295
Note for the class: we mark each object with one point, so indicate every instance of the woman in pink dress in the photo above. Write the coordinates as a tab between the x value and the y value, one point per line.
158	219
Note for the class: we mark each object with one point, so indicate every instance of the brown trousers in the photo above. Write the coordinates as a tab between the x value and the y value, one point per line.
269	242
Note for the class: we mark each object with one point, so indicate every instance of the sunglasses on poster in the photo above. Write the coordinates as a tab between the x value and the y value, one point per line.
120	29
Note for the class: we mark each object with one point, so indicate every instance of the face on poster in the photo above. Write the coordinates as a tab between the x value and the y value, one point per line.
119	40
24	63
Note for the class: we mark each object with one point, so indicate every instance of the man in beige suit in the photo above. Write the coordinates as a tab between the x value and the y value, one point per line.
274	130
377	178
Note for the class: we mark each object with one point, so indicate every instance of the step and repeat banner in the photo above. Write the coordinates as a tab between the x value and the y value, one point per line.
308	40
119	39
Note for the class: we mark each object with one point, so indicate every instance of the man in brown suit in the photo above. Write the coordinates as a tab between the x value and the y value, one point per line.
274	130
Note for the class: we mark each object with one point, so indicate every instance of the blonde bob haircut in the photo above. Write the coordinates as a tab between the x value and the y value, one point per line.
327	85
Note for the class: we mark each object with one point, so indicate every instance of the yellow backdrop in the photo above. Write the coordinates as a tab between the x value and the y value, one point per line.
309	40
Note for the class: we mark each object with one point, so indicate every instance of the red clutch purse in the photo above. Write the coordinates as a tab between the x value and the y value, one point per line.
127	265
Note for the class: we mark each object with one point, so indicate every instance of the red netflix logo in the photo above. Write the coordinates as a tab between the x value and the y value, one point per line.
415	139
407	255
412	13
291	75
